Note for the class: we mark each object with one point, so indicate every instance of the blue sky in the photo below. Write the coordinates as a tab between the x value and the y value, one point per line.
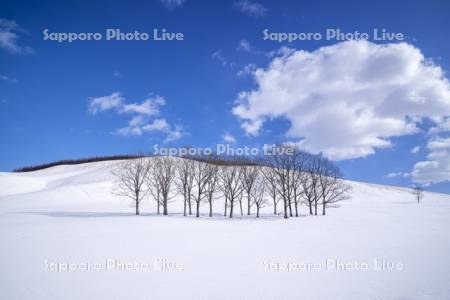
47	88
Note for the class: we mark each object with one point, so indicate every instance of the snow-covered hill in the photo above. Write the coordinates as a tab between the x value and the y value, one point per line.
380	244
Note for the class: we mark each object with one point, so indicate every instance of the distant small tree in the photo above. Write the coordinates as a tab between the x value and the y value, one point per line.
418	193
131	176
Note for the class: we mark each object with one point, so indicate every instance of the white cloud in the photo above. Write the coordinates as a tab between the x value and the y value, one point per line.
117	74
398	174
149	107
415	150
157	125
227	137
437	166
134	127
115	101
9	36
172	4
250	8
348	99
8	79
247	70
140	121
221	58
443	126
244	45
174	134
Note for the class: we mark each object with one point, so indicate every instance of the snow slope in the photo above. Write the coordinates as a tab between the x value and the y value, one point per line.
380	244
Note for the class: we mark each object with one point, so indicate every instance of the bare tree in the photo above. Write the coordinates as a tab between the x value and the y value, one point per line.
301	160
160	180
269	178
284	178
418	193
310	183
249	176
241	196
130	178
212	186
257	194
314	173
185	182
231	184
153	184
332	188
201	177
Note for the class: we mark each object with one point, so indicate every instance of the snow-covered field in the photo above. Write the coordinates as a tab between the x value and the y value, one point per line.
381	244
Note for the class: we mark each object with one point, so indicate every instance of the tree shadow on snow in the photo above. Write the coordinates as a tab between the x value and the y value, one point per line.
74	214
203	217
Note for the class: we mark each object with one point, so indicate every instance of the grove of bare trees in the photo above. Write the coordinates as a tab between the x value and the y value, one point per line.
296	179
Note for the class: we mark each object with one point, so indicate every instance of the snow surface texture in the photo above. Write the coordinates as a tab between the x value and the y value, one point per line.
392	247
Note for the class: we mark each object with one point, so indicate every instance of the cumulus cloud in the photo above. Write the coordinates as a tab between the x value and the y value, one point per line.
252	9
10	33
227	137
443	126
348	99
141	115
436	168
172	4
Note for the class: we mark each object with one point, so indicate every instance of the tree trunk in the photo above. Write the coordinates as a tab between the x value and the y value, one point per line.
158	205
225	210
274	206
189	203
198	209
248	205
231	208
240	205
285	208
324	206
315	207
290	208
137	201
296	208
310	207
165	207
210	208
257	211
184	206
